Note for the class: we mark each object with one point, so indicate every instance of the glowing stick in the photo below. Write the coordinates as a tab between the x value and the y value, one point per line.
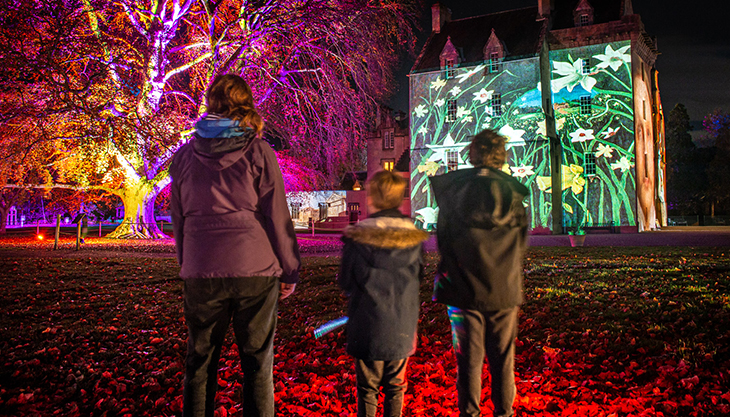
329	326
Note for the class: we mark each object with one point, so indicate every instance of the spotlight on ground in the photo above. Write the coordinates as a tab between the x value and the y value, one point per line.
40	237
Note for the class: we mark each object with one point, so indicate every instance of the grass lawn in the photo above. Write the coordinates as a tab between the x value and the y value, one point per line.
603	331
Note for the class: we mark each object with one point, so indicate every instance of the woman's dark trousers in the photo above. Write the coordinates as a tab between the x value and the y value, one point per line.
210	306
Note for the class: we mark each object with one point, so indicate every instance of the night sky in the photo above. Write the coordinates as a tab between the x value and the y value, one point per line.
693	38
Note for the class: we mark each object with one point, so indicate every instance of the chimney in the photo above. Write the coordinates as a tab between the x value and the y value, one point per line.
544	7
440	15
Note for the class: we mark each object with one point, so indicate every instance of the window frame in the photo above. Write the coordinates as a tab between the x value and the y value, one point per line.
387	162
496	104
452	160
494	63
388	139
450	68
586	105
451	110
589	164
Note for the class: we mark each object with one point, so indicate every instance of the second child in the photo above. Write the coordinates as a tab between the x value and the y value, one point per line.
380	272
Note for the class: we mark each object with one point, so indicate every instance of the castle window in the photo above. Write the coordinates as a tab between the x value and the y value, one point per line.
494	62
589	164
452	160
451	111
585	66
387	164
584	20
388	140
585	104
496	104
450	71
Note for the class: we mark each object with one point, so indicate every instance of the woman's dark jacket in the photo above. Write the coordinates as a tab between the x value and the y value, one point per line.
380	271
482	238
228	205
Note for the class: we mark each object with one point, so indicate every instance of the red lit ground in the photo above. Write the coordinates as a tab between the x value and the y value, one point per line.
605	331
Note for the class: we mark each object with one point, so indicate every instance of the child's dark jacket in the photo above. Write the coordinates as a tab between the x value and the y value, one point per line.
381	264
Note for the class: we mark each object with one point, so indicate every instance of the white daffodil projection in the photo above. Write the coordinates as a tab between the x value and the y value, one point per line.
455	91
420	110
464	76
440	102
581	135
610	132
461	111
522	171
571	75
623	164
514	136
422	130
605	151
439	151
613	59
427	216
483	95
435	85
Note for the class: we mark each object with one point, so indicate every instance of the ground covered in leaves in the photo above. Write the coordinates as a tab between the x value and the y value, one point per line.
603	332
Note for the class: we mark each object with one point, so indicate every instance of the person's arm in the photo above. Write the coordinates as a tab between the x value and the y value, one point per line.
280	228
345	278
178	221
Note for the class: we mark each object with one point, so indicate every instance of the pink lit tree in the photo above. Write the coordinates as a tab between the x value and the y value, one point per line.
120	83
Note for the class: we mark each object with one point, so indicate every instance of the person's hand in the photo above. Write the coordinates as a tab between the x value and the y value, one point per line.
286	290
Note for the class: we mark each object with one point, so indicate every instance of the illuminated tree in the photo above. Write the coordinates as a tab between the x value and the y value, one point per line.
123	81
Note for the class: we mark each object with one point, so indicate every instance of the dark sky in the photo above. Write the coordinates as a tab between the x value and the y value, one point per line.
693	38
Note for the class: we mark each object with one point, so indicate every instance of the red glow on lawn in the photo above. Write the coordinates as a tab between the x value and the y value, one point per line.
40	237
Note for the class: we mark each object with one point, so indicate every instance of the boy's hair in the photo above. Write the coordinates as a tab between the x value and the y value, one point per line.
386	190
487	149
230	96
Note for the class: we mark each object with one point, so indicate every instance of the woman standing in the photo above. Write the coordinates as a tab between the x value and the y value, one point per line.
235	244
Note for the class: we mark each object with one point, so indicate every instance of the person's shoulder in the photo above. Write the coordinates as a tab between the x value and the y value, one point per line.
183	152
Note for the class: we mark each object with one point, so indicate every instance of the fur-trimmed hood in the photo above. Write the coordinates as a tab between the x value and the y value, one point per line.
386	233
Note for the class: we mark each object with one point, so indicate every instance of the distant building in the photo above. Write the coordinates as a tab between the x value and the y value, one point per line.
570	78
388	148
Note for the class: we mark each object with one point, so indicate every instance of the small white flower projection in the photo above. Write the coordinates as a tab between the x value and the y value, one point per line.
439	103
514	136
522	171
455	91
483	95
438	83
605	151
610	132
613	59
581	135
420	110
461	112
464	76
623	164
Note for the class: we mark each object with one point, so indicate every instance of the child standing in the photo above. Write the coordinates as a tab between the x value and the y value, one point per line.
381	264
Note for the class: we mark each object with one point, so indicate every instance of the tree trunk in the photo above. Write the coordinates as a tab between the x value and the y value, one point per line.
3	219
139	214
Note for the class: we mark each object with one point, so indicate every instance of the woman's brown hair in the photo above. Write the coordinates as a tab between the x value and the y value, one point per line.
487	149
230	96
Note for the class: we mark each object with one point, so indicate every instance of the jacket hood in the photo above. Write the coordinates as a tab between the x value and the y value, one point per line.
386	233
218	142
